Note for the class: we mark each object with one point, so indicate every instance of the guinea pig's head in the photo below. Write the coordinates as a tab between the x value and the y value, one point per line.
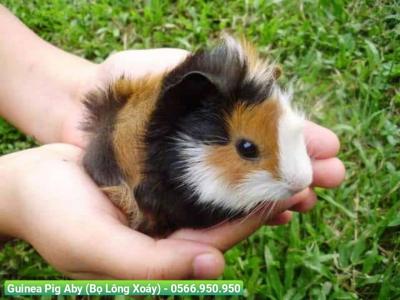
234	139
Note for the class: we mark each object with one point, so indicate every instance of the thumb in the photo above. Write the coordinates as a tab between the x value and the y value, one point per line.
180	259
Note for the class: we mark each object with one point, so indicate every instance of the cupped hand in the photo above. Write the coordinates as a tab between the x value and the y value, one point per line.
323	145
47	199
61	212
113	243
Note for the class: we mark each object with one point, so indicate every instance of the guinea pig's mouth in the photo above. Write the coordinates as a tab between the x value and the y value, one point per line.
273	202
259	192
290	192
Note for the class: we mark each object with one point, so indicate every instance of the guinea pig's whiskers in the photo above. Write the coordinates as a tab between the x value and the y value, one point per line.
267	206
268	212
252	213
249	215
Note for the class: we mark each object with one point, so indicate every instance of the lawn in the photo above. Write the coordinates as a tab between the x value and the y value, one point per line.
342	59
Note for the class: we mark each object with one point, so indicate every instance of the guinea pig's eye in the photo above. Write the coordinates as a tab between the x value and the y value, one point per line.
247	149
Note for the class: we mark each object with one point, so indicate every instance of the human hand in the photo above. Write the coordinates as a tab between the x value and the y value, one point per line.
328	172
56	223
47	199
323	145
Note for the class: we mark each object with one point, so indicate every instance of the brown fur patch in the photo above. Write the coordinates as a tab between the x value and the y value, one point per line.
131	122
256	64
122	197
258	124
251	53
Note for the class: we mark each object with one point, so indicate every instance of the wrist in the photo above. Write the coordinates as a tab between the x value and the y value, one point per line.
70	83
67	129
40	84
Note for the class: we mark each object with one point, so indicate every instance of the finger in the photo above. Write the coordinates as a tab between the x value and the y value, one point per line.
305	201
307	204
139	63
123	253
321	142
281	219
227	235
223	236
328	173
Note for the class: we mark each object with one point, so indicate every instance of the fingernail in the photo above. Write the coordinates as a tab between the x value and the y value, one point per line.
206	266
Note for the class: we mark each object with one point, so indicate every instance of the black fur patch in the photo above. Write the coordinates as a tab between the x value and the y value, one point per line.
194	99
99	160
253	92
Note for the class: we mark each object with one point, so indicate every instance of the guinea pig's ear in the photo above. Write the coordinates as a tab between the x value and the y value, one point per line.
188	93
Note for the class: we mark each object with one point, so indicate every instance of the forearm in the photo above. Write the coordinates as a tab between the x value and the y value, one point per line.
39	83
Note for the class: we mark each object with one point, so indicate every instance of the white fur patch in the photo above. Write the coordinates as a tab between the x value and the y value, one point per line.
233	47
261	186
212	188
294	162
205	180
260	71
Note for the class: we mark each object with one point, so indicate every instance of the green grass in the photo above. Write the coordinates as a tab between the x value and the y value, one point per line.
342	59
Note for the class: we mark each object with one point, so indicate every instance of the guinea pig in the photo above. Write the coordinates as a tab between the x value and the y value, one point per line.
207	141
